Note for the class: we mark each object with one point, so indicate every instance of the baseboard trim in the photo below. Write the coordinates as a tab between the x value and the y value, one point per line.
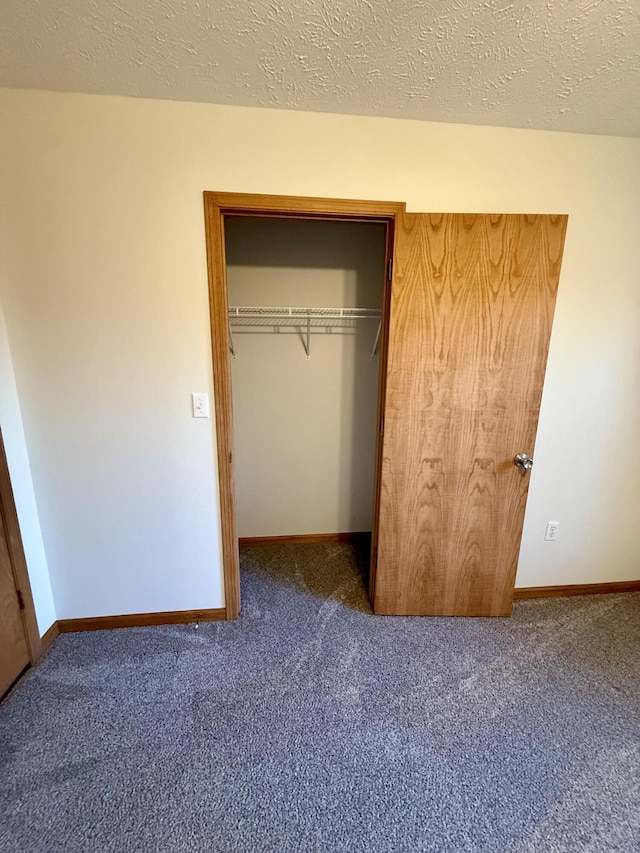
48	637
218	614
528	592
141	620
303	539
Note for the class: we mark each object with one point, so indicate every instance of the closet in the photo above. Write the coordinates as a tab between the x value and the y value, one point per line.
466	317
305	304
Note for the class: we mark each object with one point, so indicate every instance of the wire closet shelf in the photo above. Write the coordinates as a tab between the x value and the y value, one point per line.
304	318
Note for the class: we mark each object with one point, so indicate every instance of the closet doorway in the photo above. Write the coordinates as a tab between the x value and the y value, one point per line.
335	254
305	314
466	320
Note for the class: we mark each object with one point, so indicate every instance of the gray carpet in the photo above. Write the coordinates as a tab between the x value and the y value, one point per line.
310	725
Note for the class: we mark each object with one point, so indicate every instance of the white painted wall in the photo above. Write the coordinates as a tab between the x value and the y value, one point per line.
305	430
105	295
22	485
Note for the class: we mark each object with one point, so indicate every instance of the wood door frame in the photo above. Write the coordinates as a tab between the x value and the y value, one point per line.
9	519
216	207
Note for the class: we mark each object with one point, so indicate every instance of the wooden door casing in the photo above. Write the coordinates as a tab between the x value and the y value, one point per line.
216	207
472	305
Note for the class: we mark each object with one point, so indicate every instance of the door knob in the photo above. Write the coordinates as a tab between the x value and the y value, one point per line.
523	461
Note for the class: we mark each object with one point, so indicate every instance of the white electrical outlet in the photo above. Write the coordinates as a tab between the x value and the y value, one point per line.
200	405
551	533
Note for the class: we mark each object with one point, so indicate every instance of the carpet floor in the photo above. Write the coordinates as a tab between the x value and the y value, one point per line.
310	725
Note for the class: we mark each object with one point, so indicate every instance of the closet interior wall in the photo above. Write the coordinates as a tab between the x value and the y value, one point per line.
305	428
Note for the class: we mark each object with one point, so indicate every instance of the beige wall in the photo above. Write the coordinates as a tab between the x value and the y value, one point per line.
305	430
103	279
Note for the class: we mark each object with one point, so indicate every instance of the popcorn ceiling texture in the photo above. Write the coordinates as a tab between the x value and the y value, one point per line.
555	65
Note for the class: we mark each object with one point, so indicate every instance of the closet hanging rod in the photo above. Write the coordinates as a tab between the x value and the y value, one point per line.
237	313
240	311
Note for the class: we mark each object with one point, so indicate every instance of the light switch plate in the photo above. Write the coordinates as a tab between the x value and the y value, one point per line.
200	405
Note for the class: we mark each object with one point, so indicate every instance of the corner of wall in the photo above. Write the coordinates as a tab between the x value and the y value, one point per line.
22	484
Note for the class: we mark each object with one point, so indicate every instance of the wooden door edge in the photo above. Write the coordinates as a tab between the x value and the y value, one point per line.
17	557
216	206
382	389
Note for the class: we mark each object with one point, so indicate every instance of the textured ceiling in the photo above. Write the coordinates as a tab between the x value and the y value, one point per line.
558	65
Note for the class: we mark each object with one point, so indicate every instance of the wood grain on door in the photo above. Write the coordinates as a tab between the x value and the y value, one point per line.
471	311
14	652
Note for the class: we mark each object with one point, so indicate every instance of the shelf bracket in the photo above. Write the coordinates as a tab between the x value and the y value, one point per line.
307	345
375	343
233	352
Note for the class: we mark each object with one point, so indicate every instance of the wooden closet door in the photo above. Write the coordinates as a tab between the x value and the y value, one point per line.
471	310
14	652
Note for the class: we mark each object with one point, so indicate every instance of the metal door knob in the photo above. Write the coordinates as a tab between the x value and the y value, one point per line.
523	461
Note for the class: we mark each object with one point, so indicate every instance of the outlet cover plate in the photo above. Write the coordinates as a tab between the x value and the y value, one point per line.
551	533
